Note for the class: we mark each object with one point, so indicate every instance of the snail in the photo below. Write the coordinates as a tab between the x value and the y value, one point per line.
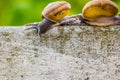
95	13
51	14
100	13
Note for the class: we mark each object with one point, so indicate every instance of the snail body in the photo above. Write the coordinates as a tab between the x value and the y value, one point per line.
78	20
104	21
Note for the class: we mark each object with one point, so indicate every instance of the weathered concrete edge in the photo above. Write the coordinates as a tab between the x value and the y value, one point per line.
61	29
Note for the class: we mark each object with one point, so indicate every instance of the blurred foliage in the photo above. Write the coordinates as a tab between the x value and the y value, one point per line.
20	12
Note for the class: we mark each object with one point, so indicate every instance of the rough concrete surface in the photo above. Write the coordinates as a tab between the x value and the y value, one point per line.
70	53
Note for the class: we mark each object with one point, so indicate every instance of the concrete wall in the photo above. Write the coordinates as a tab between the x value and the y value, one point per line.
70	53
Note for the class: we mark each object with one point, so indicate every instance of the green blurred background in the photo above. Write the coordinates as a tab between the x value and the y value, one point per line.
20	12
